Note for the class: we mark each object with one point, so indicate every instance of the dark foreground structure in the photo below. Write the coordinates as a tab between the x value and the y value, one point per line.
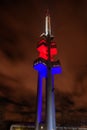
42	127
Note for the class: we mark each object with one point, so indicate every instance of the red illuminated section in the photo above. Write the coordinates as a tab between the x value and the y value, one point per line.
43	50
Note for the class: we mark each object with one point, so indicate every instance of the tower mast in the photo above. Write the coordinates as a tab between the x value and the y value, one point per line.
50	105
47	67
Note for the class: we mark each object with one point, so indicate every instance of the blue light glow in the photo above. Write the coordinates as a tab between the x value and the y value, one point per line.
42	69
57	70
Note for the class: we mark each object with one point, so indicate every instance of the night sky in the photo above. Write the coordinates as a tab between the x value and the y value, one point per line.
21	23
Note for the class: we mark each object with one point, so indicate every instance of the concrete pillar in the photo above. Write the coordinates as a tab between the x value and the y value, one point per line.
39	101
50	105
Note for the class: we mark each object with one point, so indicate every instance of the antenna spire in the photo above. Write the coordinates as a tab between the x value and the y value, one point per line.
47	24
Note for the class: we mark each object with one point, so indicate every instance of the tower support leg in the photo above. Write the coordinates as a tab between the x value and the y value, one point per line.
39	102
50	105
53	102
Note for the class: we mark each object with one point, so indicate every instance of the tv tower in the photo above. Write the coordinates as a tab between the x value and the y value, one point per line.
47	67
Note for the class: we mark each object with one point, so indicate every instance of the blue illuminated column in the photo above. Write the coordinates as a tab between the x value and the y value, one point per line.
41	67
39	101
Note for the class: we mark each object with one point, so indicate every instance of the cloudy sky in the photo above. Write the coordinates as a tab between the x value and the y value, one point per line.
21	23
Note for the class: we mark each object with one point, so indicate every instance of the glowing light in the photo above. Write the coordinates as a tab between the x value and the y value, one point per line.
41	127
42	69
53	51
56	70
43	52
42	48
42	41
